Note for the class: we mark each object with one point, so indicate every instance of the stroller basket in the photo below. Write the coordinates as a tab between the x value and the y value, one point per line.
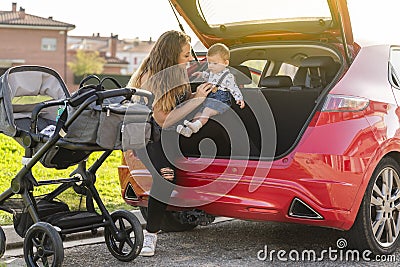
37	111
21	218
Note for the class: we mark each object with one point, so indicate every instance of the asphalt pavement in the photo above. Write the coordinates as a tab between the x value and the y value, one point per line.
228	242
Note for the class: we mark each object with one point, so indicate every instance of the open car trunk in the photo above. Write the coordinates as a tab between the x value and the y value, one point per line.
278	107
313	36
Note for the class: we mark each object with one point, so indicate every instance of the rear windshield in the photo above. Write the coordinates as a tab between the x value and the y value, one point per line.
253	11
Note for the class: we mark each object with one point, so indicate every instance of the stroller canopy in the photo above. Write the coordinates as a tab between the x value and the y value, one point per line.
21	88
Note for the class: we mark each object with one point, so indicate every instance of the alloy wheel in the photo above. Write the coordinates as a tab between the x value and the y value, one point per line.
385	207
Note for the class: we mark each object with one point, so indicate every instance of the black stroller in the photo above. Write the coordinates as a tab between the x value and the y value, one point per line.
58	133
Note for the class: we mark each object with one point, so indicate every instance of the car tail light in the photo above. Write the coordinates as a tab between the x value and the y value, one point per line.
344	103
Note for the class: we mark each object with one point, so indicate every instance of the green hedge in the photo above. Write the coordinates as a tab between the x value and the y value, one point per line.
107	182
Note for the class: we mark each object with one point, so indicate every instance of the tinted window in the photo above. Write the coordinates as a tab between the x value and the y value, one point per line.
252	11
395	64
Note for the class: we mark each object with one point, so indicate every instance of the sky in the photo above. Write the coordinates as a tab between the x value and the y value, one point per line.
372	21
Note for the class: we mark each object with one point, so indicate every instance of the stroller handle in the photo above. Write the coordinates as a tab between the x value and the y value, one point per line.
145	93
101	95
128	93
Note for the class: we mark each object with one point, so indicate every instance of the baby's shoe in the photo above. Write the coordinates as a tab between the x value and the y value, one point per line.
194	126
185	131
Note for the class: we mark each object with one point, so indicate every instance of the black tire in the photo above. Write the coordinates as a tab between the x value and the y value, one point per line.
128	246
171	221
376	223
2	242
43	243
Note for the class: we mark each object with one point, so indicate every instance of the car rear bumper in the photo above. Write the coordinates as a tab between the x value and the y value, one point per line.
293	190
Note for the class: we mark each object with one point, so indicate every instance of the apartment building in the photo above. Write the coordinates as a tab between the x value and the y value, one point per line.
107	48
31	40
123	56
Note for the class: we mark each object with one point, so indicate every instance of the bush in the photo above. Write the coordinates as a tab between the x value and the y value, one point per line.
87	63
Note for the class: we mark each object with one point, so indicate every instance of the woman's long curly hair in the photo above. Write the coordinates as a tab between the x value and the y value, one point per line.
167	81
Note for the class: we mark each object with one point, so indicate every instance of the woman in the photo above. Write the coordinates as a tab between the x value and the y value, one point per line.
163	73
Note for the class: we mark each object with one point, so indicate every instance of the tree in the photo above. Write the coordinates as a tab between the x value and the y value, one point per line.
87	63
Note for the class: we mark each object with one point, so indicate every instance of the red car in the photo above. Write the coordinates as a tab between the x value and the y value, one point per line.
318	142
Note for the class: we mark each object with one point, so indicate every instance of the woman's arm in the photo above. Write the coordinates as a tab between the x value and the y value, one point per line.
167	119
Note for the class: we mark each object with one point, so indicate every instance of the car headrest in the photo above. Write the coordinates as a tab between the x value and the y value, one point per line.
276	81
242	74
317	61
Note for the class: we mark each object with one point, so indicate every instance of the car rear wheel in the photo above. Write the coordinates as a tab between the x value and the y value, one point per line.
171	222
377	224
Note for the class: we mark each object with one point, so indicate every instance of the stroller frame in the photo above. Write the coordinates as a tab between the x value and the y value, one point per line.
42	241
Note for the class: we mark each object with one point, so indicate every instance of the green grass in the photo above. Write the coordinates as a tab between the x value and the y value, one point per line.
107	182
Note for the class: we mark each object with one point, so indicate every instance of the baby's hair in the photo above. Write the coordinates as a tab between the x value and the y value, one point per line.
219	49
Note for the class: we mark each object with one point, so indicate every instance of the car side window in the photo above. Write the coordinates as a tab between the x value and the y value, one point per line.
288	70
256	67
394	69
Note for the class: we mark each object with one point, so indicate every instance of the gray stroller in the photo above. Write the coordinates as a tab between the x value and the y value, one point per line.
53	126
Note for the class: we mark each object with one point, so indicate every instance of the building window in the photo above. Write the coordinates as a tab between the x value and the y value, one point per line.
49	44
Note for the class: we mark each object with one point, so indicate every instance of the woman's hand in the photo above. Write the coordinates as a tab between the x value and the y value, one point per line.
167	119
240	103
203	90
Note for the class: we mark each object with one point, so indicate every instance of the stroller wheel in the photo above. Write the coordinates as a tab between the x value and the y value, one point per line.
127	244
43	246
2	242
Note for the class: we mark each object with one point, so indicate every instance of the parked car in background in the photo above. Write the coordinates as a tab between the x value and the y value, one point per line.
319	140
